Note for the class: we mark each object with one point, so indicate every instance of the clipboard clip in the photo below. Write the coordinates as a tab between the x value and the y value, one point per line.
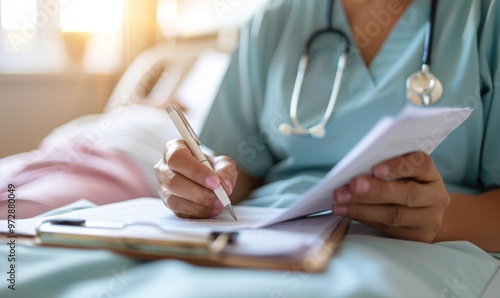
214	241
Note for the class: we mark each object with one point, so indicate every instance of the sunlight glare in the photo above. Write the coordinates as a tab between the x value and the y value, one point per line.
167	16
99	16
17	13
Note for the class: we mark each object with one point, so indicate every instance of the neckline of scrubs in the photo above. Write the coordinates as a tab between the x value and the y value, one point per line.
412	20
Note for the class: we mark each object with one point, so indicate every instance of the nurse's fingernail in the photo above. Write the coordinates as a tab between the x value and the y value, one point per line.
340	210
212	182
381	171
218	205
343	196
362	185
214	213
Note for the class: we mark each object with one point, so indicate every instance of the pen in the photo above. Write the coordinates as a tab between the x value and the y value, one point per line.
194	144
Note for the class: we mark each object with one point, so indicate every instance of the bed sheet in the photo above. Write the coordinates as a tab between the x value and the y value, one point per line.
365	266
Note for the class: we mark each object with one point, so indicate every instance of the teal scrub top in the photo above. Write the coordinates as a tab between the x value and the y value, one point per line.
254	98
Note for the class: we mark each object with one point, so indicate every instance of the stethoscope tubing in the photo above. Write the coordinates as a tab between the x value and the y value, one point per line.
427	96
429	35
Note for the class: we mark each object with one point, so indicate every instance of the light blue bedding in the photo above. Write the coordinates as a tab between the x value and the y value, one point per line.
365	266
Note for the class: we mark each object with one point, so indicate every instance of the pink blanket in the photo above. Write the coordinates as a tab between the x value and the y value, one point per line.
48	178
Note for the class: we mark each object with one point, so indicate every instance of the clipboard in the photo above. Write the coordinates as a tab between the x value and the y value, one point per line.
205	249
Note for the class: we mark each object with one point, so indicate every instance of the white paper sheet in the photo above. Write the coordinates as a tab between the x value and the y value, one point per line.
152	210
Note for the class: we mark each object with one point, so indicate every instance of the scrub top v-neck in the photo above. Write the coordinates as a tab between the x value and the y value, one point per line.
396	41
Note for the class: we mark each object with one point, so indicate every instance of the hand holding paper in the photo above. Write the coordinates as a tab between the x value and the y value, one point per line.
413	129
407	202
406	196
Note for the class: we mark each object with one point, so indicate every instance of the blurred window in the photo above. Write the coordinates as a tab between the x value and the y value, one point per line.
34	34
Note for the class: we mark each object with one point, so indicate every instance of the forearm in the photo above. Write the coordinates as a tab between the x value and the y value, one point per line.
475	219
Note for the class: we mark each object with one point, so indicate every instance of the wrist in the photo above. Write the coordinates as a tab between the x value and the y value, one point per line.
443	233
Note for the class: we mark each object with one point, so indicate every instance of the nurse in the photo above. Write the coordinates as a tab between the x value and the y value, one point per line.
452	195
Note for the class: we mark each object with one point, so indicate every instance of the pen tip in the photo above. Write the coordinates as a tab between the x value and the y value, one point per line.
230	210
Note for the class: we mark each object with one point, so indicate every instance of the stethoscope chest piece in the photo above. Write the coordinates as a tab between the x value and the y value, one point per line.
423	88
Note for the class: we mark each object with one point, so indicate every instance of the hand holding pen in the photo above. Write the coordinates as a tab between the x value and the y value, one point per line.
191	184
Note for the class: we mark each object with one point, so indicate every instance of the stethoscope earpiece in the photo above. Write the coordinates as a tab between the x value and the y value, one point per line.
285	129
318	131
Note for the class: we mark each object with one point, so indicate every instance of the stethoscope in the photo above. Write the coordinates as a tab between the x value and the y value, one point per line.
422	87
